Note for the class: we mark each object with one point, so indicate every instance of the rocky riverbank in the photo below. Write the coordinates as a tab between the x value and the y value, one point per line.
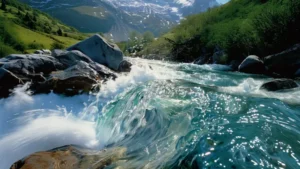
281	65
284	66
79	69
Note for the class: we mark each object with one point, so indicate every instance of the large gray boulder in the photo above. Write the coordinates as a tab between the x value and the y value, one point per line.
100	51
125	66
279	84
31	64
252	64
285	63
19	69
69	73
77	79
70	58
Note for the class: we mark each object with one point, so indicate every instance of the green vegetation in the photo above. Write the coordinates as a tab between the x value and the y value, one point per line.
23	30
98	12
240	27
136	42
57	45
85	18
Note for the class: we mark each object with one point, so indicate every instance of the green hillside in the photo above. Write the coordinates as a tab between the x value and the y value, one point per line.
85	18
240	27
24	29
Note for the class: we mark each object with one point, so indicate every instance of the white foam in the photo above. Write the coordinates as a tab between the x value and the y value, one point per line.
44	134
36	123
251	87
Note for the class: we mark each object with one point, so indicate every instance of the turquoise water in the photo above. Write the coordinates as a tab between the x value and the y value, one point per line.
168	116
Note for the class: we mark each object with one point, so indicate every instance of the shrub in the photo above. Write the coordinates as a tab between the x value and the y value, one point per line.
35	45
19	46
57	45
59	32
6	50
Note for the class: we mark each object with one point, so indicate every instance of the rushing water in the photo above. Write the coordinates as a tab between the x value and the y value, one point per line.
167	116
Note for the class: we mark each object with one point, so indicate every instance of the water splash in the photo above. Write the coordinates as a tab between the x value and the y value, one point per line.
167	115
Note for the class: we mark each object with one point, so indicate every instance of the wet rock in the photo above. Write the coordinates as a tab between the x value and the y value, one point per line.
43	52
285	63
8	81
71	157
57	52
125	66
280	84
70	58
38	52
46	52
31	64
100	51
19	69
219	56
234	64
297	73
201	60
65	72
252	64
78	79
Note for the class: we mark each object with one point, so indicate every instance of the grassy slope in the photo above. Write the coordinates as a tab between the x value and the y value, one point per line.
241	27
98	12
85	18
10	22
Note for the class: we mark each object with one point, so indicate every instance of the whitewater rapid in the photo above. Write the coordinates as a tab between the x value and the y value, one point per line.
41	122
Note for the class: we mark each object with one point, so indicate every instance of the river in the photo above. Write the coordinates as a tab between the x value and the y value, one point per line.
167	115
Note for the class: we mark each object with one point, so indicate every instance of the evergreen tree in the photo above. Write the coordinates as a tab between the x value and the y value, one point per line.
60	32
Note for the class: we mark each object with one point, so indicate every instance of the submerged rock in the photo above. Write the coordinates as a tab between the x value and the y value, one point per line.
252	64
280	84
125	66
234	64
100	51
285	63
203	59
71	157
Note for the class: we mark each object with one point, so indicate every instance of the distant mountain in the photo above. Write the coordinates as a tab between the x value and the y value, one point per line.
116	18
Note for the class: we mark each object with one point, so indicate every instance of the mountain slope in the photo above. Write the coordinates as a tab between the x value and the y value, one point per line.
117	18
240	28
23	29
